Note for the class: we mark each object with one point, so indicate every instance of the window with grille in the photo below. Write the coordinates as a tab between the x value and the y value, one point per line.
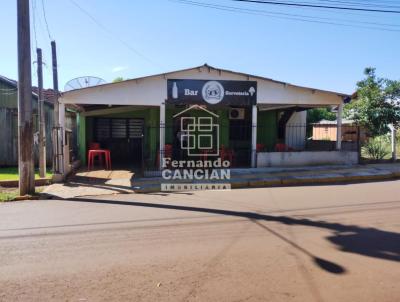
106	128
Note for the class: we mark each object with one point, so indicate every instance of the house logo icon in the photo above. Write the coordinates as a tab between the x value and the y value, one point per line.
199	134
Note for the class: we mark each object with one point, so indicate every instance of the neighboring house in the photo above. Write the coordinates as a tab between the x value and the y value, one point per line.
9	122
258	117
327	130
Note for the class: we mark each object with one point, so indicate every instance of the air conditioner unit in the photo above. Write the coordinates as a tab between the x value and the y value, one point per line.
236	113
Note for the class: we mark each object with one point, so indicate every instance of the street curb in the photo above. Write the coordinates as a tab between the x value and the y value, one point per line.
15	183
330	178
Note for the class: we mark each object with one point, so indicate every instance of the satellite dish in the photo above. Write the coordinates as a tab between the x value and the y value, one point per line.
83	82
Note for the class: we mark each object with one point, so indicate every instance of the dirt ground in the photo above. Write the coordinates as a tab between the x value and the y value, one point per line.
315	243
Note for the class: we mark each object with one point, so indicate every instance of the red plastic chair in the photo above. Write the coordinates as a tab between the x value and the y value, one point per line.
260	147
167	153
282	148
94	146
103	155
227	154
205	152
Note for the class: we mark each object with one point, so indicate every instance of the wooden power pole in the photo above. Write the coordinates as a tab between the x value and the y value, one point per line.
25	119
42	122
57	136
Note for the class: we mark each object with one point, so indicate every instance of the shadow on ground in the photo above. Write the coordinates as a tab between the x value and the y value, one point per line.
369	242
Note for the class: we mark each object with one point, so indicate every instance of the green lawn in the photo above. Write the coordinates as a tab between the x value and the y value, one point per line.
11	173
387	145
8	195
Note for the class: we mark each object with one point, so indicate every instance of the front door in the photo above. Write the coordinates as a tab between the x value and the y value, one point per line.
123	137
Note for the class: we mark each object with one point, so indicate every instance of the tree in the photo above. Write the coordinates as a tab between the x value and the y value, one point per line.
376	105
118	79
317	114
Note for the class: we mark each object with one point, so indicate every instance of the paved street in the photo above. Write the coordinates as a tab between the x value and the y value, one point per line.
311	243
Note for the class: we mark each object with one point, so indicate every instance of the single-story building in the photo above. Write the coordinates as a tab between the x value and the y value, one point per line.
327	130
9	123
257	121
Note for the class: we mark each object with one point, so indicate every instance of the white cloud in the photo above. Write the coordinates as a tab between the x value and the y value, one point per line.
119	68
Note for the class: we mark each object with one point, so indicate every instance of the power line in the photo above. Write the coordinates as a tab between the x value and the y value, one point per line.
341	3
322	18
34	21
358	3
319	6
45	21
112	35
295	17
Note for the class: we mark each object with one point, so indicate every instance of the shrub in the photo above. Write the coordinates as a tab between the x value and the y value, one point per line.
377	147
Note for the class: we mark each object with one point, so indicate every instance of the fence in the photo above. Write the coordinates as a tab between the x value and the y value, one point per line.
233	141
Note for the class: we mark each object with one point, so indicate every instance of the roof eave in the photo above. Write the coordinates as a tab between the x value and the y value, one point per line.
343	95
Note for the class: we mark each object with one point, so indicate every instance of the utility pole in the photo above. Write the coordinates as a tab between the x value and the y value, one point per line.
42	123
57	137
25	119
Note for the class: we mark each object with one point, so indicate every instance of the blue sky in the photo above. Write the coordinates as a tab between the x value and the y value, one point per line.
173	35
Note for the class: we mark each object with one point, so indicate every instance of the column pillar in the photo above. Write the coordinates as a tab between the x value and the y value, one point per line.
254	137
162	134
61	138
393	141
339	127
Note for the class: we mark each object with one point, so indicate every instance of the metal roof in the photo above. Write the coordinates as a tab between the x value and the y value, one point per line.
217	69
14	84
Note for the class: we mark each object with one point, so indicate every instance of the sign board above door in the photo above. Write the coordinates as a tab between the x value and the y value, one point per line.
238	93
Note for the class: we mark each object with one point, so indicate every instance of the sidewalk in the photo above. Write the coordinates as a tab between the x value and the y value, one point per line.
267	177
92	183
101	182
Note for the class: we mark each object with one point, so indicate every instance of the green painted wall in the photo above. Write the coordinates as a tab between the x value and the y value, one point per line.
267	128
81	123
266	132
151	119
9	126
8	96
223	127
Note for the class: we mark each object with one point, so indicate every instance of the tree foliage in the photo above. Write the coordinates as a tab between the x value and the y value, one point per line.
118	79
377	103
318	114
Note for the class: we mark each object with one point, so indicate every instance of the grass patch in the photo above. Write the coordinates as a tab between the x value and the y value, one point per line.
11	173
8	195
385	143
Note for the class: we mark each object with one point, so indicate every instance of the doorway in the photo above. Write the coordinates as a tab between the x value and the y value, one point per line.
123	137
240	134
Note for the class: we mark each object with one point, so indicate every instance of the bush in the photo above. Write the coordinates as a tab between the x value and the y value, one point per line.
377	148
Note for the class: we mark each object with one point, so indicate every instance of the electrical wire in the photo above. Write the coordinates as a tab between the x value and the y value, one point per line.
323	18
45	21
294	17
112	35
319	6
358	3
34	21
340	3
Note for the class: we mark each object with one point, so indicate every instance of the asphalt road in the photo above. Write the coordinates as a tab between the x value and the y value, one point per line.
321	243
